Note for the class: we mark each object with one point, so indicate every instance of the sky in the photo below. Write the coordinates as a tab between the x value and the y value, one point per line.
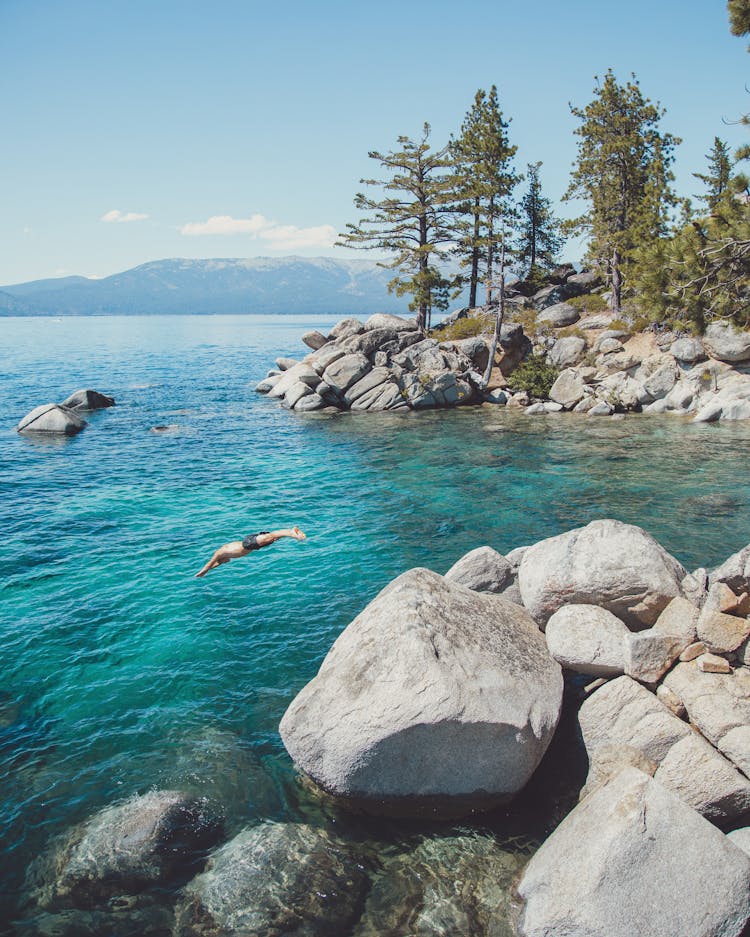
137	130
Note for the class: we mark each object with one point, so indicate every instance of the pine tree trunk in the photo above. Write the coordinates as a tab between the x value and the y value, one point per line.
616	275
498	319
474	259
490	254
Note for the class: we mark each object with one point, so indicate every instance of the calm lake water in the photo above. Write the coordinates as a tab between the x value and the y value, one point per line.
122	673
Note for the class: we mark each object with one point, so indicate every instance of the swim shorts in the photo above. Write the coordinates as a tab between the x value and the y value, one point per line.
251	541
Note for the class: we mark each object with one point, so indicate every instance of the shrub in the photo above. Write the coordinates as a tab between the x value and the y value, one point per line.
535	376
465	328
590	304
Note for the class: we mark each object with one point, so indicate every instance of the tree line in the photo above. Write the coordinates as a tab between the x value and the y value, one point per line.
664	258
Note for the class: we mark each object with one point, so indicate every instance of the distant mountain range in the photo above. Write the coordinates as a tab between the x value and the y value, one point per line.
283	285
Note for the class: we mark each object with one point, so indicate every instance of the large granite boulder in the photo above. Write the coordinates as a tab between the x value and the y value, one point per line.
433	696
346	327
716	703
558	316
314	339
53	419
623	712
148	839
567	351
568	389
587	639
298	372
88	399
725	342
688	350
274	879
482	570
734	571
342	373
634	859
384	320
614	565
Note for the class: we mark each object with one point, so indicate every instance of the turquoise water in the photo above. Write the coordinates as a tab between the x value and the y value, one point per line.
122	672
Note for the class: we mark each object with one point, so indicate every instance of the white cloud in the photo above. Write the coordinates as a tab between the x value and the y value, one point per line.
121	216
281	237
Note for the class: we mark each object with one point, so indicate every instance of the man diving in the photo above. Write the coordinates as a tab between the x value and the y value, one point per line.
238	548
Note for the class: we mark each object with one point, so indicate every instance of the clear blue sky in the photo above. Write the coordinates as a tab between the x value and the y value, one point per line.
262	113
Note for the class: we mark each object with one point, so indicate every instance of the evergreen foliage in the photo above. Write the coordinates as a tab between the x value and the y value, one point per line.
719	174
739	17
540	232
484	180
412	221
534	376
622	173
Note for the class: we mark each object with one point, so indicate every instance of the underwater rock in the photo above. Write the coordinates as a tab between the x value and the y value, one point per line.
272	880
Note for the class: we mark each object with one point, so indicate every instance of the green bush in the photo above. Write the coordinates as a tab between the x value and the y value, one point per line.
465	328
534	376
589	305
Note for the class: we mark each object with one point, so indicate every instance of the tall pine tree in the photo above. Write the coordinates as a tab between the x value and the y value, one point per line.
622	173
484	180
540	236
412	223
719	174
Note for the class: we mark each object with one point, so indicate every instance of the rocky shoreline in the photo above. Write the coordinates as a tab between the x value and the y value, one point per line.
444	695
602	366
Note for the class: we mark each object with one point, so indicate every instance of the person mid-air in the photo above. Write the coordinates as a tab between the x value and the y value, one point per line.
238	548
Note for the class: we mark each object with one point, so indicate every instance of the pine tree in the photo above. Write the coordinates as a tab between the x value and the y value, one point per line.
739	17
719	174
484	180
622	172
540	235
413	224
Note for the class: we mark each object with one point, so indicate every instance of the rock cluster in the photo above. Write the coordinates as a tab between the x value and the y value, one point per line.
385	364
64	419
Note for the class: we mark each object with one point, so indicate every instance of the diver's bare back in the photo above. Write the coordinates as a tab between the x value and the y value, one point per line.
239	548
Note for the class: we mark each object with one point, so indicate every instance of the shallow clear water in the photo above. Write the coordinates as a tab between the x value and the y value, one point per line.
121	672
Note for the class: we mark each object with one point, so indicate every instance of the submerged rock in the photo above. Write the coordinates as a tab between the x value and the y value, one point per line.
124	849
434	696
453	885
272	880
633	859
616	566
52	418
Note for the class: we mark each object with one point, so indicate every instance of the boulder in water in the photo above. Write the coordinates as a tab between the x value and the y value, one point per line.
52	418
88	400
433	697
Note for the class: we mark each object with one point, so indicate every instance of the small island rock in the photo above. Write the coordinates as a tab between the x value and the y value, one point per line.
52	418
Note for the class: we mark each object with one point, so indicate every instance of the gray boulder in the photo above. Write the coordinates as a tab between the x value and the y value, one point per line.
299	372
694	771
634	859
285	364
600	321
383	320
482	570
476	350
274	879
723	341
587	639
568	389
623	712
559	315
567	351
371	380
345	328
342	373
88	400
314	339
716	703
735	571
649	654
659	383
385	396
429	666
688	350
679	620
267	384
124	849
597	408
296	392
616	566
52	418
308	403
320	359
736	746
368	342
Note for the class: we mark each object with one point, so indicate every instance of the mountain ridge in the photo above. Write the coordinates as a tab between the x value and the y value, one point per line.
230	285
